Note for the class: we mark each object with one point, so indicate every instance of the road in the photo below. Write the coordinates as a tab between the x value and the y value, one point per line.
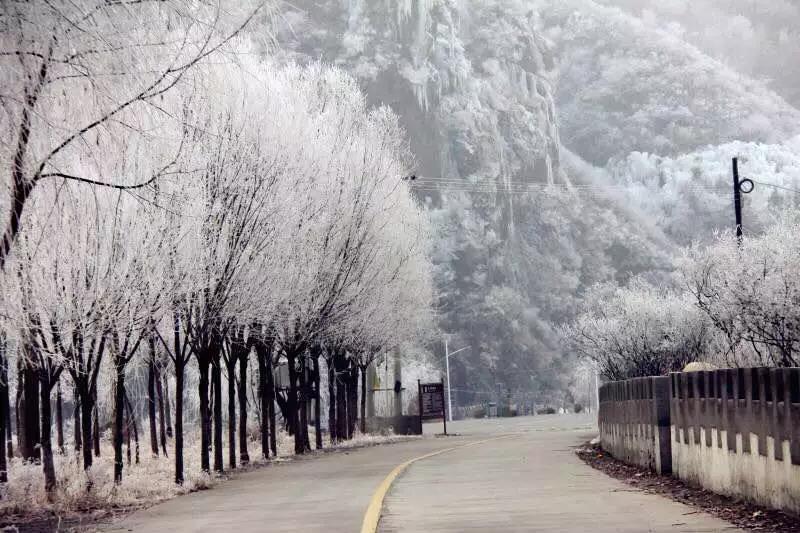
495	475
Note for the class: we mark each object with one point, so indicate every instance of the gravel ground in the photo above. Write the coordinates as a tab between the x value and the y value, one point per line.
738	512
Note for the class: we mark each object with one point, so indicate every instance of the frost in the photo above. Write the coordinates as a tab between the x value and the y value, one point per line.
144	484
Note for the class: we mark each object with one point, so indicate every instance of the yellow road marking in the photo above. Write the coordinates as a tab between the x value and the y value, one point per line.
373	514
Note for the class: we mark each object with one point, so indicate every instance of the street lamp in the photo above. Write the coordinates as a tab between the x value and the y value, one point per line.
447	355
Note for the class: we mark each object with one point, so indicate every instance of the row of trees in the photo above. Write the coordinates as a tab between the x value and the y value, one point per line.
180	205
733	303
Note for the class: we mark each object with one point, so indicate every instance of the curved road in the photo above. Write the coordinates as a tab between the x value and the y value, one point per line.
503	475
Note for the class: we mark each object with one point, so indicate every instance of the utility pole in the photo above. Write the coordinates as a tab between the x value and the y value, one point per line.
739	186
737	198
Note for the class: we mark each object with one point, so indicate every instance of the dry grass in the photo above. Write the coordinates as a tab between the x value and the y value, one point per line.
149	482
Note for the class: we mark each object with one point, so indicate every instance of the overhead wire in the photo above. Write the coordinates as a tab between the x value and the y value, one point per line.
546	190
458	185
774	186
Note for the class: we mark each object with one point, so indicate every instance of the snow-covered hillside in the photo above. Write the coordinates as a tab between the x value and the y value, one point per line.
559	143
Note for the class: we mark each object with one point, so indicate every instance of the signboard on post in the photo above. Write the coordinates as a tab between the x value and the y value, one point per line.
431	402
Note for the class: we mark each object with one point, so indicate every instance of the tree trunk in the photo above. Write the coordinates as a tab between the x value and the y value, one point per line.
364	393
162	431
331	399
9	433
216	377
128	437
76	418
341	407
59	419
352	404
119	408
205	419
291	404
244	456
96	430
317	406
304	395
231	366
179	371
5	419
3	460
273	429
263	365
21	185
167	407
151	399
132	423
48	467
86	402
19	421
5	410
31	431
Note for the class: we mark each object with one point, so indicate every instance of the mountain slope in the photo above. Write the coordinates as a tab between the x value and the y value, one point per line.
504	104
625	86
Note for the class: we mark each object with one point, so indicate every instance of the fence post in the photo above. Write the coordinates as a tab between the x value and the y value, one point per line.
662	422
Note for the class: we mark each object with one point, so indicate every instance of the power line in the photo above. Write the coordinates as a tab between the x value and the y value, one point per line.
775	186
545	192
458	185
525	184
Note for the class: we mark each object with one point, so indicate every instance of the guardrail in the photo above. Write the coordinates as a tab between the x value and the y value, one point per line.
732	431
737	432
634	422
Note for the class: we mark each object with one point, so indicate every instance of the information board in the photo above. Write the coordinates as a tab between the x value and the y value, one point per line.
431	402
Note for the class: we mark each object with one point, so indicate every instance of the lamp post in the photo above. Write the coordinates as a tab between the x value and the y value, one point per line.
447	355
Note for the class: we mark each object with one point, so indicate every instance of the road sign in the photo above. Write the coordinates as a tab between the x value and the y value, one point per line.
431	402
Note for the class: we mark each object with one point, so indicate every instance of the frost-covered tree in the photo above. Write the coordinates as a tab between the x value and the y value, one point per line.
639	330
750	292
229	212
688	196
347	200
84	79
87	284
238	205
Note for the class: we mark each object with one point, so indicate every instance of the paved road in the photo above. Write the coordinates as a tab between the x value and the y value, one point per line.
528	480
531	481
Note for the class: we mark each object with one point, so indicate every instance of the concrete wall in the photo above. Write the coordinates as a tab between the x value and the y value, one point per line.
634	421
737	432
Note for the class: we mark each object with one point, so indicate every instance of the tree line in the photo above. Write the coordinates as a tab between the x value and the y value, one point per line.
732	302
179	202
